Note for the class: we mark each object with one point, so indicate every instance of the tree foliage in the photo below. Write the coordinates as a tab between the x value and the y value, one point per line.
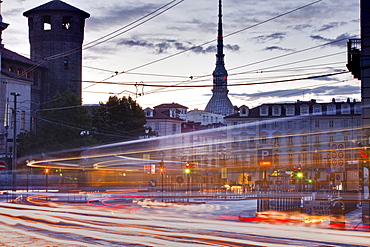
63	124
59	126
118	120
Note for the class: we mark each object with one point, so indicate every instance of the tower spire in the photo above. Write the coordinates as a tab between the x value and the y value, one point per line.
220	103
220	37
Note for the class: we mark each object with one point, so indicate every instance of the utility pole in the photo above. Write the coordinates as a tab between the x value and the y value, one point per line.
14	159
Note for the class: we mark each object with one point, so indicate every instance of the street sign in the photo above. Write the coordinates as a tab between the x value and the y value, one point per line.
2	166
321	208
337	155
264	156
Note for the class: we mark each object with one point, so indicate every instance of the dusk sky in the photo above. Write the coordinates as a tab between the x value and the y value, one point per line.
266	42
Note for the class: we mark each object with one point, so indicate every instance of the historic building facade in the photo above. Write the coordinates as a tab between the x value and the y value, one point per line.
320	139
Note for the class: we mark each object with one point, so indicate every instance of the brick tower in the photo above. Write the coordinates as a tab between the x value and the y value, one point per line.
56	33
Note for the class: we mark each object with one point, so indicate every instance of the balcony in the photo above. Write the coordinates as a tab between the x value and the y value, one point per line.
353	57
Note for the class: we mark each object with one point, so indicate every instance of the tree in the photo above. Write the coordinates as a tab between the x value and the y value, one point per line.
118	120
59	126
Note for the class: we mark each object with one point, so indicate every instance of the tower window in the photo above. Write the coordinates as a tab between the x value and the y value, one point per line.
66	22
46	22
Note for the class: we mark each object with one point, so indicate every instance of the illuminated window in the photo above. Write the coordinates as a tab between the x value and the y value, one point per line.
19	71
290	157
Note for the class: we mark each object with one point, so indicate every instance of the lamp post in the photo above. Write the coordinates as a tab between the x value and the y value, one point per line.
14	160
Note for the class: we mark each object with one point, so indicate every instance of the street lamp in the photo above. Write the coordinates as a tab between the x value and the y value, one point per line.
14	162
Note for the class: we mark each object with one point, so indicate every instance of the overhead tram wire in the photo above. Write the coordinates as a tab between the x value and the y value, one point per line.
102	39
40	63
152	83
211	41
309	87
256	70
281	56
285	64
133	73
241	84
251	71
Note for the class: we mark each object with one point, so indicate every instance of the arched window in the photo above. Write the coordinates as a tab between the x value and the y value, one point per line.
317	110
264	111
345	109
331	109
276	111
304	110
290	110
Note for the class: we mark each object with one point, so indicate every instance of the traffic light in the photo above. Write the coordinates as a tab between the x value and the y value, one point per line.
161	167
299	174
310	180
187	168
46	170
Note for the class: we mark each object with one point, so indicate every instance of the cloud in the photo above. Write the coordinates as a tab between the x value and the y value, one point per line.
299	27
331	25
118	15
160	46
327	91
340	41
274	48
267	38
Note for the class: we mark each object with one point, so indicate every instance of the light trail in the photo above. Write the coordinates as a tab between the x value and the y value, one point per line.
81	225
